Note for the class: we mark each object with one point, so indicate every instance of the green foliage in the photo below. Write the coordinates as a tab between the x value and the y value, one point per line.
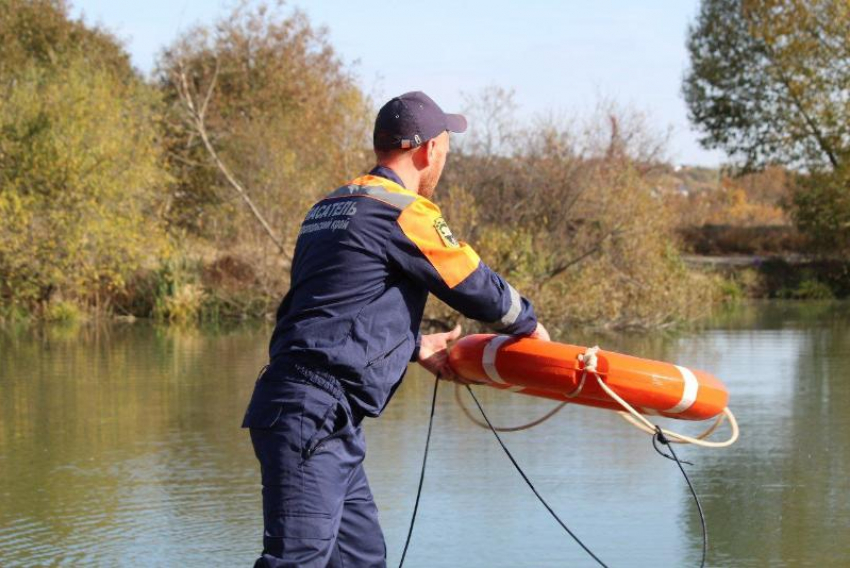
767	78
80	184
768	83
737	285
808	289
40	32
567	213
821	209
62	312
182	305
731	290
178	296
185	291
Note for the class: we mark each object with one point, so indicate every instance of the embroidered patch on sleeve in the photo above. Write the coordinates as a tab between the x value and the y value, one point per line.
445	233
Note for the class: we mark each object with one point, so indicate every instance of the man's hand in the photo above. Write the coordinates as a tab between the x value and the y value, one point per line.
540	333
434	354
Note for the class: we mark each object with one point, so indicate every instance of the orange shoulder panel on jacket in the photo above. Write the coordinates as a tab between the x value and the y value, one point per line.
423	224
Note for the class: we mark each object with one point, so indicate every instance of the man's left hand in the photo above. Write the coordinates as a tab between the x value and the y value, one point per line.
434	354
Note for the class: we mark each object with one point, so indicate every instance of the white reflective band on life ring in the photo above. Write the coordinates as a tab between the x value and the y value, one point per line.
488	359
689	396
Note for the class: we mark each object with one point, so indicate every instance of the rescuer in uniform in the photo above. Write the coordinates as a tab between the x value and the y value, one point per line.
366	257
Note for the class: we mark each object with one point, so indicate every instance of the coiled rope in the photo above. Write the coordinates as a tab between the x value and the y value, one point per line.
639	421
519	428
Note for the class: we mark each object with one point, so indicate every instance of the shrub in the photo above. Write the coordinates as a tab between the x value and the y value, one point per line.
41	33
821	210
80	184
182	305
285	115
809	289
567	212
62	312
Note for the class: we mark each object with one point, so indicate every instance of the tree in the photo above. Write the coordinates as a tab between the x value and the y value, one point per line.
769	81
81	176
41	32
283	116
568	213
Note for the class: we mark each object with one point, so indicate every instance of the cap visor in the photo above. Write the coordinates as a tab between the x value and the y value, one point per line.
456	123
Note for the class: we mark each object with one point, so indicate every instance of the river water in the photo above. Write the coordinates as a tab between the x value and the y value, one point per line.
120	446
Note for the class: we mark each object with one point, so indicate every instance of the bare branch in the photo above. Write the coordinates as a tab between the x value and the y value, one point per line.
561	268
203	111
798	104
196	120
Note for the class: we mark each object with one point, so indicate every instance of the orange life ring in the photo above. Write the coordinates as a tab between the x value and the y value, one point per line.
554	370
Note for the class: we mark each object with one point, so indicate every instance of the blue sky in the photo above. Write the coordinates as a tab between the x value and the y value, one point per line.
559	57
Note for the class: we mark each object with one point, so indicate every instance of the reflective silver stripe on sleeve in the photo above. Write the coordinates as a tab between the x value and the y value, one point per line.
509	318
689	394
488	358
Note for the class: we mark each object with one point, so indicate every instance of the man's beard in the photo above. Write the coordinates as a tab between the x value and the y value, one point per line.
428	182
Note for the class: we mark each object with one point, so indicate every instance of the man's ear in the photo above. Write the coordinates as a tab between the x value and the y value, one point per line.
419	156
431	148
424	154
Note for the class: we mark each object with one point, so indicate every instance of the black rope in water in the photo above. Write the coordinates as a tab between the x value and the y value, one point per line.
660	437
422	473
528	482
657	438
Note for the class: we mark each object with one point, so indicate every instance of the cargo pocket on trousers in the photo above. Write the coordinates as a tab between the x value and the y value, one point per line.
306	527
262	416
299	537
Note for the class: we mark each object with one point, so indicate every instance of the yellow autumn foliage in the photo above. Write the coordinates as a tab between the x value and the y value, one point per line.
81	184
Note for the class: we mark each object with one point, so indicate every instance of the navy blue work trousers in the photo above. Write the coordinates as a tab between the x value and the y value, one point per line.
318	510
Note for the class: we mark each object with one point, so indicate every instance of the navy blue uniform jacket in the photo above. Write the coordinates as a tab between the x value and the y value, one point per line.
366	257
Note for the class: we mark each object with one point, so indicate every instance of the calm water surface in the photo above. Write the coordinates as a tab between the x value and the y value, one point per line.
120	446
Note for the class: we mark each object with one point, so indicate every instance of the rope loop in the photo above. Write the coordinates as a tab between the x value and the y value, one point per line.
521	427
580	386
640	422
589	362
589	358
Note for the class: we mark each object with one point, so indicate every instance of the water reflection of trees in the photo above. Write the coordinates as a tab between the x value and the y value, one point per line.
105	429
99	423
779	497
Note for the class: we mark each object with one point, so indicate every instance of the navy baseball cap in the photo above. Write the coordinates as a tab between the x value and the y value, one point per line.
411	119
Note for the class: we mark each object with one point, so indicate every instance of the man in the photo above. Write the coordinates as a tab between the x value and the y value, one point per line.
366	258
